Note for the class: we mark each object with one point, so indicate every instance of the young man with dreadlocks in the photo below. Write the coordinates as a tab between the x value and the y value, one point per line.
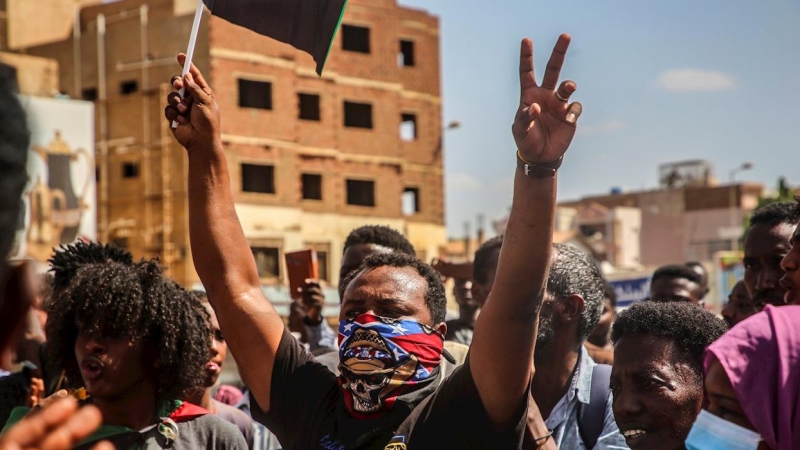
135	341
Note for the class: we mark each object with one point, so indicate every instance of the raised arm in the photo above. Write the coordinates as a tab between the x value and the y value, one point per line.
220	250
501	356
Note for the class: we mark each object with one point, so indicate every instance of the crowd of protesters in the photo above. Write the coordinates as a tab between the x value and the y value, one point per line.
109	352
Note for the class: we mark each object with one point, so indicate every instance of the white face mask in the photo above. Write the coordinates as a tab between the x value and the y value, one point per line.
712	432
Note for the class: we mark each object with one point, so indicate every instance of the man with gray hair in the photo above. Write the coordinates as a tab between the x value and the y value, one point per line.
570	389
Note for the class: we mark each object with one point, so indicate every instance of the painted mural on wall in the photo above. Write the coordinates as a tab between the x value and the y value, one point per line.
60	197
730	269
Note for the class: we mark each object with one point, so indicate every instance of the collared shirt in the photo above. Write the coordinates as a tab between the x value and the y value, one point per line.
321	336
564	418
263	439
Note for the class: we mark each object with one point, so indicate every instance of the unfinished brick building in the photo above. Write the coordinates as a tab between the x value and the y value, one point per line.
311	158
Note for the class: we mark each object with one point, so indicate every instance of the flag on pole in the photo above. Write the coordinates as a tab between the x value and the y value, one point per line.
308	25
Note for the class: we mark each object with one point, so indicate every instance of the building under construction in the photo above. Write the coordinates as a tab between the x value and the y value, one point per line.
311	157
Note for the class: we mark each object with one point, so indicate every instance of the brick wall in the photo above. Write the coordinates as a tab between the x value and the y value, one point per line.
295	146
276	137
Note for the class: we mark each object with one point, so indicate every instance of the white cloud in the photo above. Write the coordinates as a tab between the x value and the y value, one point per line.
504	187
607	127
693	80
462	182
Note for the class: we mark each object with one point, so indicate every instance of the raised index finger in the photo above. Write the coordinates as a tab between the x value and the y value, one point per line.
553	70
527	78
196	74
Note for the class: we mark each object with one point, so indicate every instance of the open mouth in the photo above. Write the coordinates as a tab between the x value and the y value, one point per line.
91	368
634	434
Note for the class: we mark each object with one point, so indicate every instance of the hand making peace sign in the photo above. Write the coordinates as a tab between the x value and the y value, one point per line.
545	122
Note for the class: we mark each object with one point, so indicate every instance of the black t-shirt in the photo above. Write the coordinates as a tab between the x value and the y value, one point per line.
307	412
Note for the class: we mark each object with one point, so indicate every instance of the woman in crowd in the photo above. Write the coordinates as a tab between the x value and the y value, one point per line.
134	341
753	385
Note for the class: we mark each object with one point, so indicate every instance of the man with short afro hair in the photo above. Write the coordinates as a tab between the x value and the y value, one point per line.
767	241
677	283
657	377
135	341
435	298
380	235
360	243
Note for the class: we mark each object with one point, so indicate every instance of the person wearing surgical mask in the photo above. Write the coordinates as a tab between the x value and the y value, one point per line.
752	383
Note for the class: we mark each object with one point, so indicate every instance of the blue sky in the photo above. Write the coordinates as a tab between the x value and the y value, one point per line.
660	82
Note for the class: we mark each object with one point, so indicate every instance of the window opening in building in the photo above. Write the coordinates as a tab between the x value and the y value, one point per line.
267	261
255	94
408	127
128	87
312	186
410	201
355	38
360	193
406	56
258	178
357	115
322	262
130	170
309	106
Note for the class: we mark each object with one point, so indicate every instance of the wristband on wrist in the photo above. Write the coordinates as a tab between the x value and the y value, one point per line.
540	170
542	440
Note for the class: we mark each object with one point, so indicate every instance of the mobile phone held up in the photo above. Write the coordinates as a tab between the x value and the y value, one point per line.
301	266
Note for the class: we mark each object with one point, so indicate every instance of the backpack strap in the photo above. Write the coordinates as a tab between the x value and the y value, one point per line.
592	417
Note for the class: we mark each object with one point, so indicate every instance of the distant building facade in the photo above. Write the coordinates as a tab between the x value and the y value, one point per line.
311	158
679	222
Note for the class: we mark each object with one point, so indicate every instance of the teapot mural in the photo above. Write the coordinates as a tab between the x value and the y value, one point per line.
56	208
59	199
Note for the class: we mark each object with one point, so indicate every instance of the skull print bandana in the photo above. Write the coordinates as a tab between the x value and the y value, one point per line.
381	359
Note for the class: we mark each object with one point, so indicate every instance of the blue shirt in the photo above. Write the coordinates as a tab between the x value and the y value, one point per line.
564	418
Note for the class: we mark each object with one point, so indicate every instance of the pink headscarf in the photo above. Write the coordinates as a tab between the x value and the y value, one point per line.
761	356
230	395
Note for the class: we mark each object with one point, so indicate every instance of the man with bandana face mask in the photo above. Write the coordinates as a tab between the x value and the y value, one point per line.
392	316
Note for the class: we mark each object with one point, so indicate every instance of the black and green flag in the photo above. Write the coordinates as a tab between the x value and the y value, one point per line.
308	25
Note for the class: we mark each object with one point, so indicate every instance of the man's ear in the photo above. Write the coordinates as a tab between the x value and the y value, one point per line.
441	328
570	308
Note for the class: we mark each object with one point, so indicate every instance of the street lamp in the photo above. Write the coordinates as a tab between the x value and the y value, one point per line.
453	125
745	166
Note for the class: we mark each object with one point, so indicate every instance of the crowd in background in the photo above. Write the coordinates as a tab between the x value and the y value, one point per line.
106	350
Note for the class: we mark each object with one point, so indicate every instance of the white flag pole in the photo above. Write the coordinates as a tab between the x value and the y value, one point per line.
198	15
